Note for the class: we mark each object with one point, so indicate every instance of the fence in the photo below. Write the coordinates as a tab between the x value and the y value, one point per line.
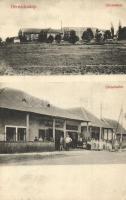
22	147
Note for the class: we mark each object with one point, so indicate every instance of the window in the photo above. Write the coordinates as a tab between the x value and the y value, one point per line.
21	134
47	122
14	133
71	127
46	134
10	134
42	134
109	135
105	134
59	123
49	135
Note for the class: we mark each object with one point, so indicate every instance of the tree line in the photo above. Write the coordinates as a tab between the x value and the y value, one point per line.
71	36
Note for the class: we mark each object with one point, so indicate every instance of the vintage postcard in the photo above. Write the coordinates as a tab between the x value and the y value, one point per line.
62	138
63	121
57	37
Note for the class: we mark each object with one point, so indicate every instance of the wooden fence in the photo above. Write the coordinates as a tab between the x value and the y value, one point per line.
22	147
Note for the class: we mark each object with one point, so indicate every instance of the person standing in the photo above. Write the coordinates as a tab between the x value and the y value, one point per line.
68	140
97	145
61	143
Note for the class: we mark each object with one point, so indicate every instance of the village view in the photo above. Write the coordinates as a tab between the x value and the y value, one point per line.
33	130
67	50
79	35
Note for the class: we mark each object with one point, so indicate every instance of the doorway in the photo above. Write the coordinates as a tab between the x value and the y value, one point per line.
58	134
74	137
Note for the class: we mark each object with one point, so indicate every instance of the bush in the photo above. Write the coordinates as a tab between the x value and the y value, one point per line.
50	39
73	37
88	35
42	36
58	38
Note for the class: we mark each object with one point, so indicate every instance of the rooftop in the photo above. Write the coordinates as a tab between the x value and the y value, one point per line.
115	125
21	101
90	117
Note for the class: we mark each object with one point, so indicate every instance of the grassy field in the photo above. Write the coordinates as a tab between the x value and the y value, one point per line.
39	59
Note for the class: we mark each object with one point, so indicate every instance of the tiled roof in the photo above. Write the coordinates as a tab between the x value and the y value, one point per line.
115	125
21	101
90	117
38	30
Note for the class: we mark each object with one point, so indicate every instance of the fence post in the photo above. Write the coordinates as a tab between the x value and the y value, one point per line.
54	122
16	138
64	128
27	127
100	135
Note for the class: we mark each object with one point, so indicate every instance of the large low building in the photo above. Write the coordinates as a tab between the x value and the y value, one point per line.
79	31
32	34
117	128
24	118
97	129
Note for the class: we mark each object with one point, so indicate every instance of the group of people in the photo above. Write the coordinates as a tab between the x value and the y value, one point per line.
99	145
61	143
65	143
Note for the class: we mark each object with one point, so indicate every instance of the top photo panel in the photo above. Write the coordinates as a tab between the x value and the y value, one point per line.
62	37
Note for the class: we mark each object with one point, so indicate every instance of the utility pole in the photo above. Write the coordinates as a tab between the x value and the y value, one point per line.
100	136
61	26
101	111
121	128
121	134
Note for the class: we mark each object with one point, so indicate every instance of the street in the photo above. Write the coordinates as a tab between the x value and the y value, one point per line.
64	158
60	175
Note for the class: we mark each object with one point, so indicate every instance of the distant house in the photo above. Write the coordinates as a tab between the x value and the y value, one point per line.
54	32
96	128
29	34
16	40
117	128
32	34
79	31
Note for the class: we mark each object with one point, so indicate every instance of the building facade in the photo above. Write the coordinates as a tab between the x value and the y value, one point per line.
24	118
32	34
94	128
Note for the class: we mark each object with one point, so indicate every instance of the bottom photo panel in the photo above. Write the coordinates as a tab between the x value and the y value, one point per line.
55	121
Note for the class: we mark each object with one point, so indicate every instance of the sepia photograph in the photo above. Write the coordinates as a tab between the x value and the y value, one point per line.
62	99
61	37
63	138
60	123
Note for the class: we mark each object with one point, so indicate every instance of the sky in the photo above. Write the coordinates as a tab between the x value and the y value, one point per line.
50	13
88	94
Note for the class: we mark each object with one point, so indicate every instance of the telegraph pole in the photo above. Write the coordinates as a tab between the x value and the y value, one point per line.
100	136
121	134
61	26
101	111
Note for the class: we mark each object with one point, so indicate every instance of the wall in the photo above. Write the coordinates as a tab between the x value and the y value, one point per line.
107	134
17	118
85	133
35	123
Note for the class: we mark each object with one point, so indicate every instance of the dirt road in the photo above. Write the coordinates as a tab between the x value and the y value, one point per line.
64	158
